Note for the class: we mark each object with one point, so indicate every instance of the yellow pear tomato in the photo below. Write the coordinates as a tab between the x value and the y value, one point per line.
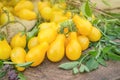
33	42
46	25
58	18
46	13
84	42
73	48
17	56
47	35
24	4
43	4
56	49
37	54
27	14
83	25
18	40
5	49
4	18
95	35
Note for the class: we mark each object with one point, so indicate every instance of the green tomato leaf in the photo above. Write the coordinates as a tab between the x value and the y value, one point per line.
116	50
93	52
69	65
32	33
2	73
101	61
114	56
87	69
1	64
82	68
21	76
27	64
86	10
75	70
106	49
92	64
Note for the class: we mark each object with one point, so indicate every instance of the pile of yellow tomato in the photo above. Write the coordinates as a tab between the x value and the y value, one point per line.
50	42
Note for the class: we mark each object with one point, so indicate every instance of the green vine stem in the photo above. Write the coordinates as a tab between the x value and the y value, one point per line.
8	22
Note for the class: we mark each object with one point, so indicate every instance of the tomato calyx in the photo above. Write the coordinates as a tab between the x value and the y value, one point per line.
67	26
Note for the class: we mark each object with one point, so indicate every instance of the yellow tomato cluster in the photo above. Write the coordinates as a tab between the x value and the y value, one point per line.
5	15
53	13
24	10
51	40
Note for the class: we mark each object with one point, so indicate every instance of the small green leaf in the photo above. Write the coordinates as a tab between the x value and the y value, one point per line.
21	76
87	69
116	50
1	64
75	70
82	68
96	22
24	64
114	56
32	33
101	61
2	73
92	64
93	52
86	10
69	65
107	49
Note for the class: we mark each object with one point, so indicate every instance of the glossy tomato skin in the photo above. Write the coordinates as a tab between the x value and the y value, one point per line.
46	13
47	35
84	42
84	26
73	48
5	49
43	4
37	54
95	35
27	14
33	42
23	4
18	40
56	50
18	56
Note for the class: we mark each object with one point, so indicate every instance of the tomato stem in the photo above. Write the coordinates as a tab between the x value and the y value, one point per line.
8	63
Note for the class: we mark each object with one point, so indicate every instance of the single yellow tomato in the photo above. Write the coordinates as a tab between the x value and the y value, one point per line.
84	26
95	35
27	14
58	17
46	25
84	42
47	35
46	13
24	4
37	54
5	49
4	18
33	42
18	40
43	4
73	48
56	49
17	56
